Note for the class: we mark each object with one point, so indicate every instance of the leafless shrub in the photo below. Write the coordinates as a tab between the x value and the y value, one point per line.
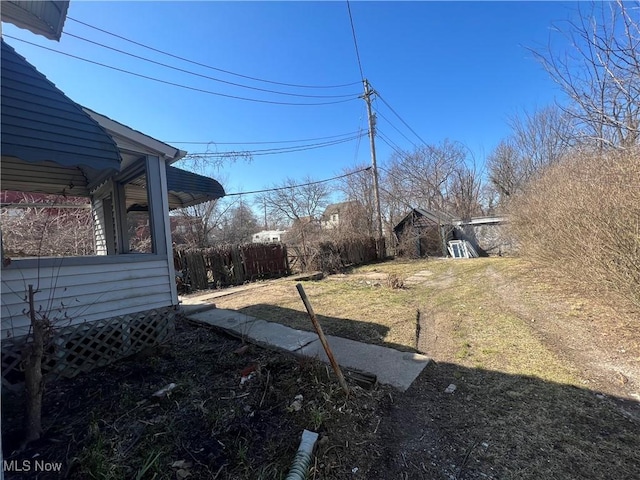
582	218
47	230
394	282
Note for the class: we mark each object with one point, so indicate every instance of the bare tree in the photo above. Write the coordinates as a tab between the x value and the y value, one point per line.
542	137
601	72
538	139
300	206
42	225
238	224
197	225
465	191
358	187
393	202
291	203
424	178
505	172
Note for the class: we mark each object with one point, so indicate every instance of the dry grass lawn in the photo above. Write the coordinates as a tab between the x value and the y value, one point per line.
480	313
548	378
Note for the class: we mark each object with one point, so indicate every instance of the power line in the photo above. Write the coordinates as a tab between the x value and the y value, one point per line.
189	72
299	185
395	128
358	132
355	42
405	123
389	142
205	65
273	151
209	92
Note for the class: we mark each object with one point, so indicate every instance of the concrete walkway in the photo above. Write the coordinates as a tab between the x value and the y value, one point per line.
206	300
391	366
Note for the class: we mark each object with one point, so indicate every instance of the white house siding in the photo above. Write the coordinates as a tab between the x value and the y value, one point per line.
86	288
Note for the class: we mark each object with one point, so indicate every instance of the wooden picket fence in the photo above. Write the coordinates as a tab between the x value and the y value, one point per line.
225	265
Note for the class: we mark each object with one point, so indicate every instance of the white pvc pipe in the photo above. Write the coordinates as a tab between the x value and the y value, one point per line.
302	459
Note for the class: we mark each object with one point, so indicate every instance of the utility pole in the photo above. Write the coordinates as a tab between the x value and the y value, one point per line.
266	227
376	191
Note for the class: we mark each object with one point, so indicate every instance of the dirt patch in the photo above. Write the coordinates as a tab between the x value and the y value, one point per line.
213	424
497	426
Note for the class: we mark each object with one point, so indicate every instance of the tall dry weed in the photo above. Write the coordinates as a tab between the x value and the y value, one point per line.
582	218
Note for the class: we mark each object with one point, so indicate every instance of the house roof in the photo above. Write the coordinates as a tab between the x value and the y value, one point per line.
437	217
338	207
132	143
50	144
43	18
184	188
46	137
187	188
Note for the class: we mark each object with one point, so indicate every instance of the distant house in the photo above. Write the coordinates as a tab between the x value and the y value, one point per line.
338	213
268	236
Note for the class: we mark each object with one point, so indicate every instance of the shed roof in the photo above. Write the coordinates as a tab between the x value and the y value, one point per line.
436	217
47	131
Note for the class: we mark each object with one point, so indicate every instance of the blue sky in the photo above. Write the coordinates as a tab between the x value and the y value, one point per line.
453	70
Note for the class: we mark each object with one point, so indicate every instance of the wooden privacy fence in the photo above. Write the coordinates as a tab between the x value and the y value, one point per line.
332	256
226	265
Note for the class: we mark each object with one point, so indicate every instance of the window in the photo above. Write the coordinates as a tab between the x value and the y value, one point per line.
41	225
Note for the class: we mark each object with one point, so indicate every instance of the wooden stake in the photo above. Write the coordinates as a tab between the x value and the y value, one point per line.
323	339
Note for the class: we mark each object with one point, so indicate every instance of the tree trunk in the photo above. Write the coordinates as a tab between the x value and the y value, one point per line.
34	385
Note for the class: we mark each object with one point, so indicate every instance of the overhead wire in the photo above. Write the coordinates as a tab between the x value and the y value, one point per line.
273	151
377	110
394	146
355	41
166	82
196	74
275	189
265	142
184	59
360	131
401	119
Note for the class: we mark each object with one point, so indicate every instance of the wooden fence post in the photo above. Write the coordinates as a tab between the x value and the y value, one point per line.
323	339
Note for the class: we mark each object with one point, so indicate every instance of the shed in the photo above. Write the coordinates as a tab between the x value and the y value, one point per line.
116	302
423	232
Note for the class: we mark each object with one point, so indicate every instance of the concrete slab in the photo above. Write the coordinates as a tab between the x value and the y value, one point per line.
196	308
279	336
207	296
392	367
225	319
255	330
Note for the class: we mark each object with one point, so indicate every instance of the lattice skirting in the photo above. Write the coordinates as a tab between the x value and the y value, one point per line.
83	347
